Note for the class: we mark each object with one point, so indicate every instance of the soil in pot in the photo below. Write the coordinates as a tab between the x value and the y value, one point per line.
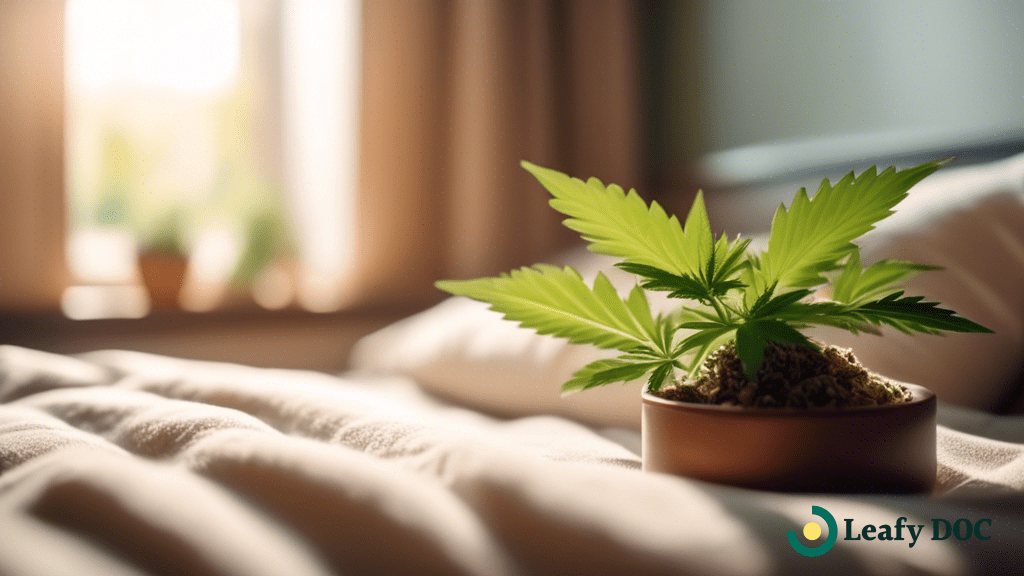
791	377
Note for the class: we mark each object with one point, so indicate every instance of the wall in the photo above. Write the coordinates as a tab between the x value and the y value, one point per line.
736	73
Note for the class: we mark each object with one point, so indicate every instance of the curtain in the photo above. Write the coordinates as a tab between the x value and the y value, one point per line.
32	271
455	93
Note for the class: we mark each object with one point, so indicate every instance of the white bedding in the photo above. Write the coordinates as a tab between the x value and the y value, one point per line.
124	463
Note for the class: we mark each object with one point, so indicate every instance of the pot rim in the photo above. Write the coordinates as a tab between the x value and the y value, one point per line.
920	396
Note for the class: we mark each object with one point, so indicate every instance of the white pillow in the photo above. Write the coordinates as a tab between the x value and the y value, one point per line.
968	220
461	350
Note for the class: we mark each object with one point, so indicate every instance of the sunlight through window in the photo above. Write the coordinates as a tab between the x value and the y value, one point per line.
179	118
322	116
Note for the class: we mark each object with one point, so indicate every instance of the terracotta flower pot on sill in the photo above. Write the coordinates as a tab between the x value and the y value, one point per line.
163	275
879	449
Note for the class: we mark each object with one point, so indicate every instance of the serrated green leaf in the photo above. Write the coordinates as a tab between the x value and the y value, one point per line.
640	311
694	314
756	281
814	234
702	343
803	314
678	286
856	285
701	325
685	286
762	298
906	314
697	232
750	349
668	331
700	338
843	287
730	258
773	330
752	337
912	314
622	225
707	348
557	302
658	377
608	371
776	304
585	378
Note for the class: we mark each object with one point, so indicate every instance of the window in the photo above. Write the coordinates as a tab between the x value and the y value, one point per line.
211	145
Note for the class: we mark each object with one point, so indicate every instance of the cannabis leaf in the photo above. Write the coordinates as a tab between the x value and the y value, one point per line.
714	280
556	301
857	285
753	336
678	285
703	342
905	313
814	234
622	369
910	314
605	371
620	224
767	305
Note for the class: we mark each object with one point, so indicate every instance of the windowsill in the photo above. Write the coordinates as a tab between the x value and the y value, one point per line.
284	339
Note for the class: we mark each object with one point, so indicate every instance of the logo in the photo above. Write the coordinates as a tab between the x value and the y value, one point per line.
812	531
942	529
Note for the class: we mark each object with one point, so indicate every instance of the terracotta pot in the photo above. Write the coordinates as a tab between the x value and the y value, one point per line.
163	276
881	449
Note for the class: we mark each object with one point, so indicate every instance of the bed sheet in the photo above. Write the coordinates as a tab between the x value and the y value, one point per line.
127	463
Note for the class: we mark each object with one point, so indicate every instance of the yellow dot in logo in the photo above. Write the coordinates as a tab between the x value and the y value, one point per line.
812	531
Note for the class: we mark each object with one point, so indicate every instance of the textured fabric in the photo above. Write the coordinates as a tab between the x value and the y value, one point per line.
125	463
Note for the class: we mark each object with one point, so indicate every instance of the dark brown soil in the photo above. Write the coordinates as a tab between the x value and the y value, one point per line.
792	376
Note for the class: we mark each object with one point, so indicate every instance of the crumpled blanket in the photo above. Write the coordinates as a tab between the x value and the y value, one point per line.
127	463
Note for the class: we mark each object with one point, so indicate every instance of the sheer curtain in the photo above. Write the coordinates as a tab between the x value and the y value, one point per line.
455	94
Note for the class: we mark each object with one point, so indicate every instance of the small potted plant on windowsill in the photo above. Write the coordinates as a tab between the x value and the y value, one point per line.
163	260
735	392
266	260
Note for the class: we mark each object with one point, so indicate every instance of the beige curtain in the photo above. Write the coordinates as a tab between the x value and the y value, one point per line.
32	272
455	94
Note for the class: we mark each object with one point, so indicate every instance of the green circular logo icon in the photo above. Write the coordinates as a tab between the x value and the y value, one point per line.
812	531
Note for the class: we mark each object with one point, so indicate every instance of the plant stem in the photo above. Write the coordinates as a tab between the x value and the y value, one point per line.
721	312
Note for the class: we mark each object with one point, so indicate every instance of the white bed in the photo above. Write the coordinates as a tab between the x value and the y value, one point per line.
124	463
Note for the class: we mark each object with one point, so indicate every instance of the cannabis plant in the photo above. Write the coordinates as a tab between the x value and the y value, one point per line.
727	294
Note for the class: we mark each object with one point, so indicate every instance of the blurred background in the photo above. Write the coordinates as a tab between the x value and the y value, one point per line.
264	181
